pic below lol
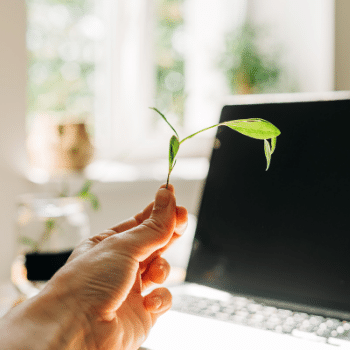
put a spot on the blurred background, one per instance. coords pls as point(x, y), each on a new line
point(77, 78)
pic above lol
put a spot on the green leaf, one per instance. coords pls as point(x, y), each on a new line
point(90, 197)
point(267, 153)
point(85, 194)
point(28, 241)
point(174, 145)
point(162, 115)
point(94, 201)
point(50, 224)
point(273, 144)
point(255, 128)
point(86, 187)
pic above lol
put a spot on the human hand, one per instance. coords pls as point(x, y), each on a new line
point(103, 279)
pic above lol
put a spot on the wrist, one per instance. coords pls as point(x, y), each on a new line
point(46, 321)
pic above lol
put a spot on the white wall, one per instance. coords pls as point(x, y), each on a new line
point(12, 122)
point(119, 201)
point(305, 30)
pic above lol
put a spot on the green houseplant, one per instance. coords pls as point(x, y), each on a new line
point(51, 224)
point(49, 228)
point(246, 67)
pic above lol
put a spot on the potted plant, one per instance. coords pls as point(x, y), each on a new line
point(49, 228)
point(246, 68)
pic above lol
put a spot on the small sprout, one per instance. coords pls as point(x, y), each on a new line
point(256, 128)
point(87, 195)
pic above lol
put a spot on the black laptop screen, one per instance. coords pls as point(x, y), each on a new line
point(282, 233)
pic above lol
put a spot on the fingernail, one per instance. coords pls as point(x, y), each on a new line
point(162, 198)
point(156, 302)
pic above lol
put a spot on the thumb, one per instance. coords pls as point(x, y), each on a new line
point(154, 233)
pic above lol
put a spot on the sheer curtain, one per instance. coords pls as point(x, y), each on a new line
point(207, 24)
point(123, 125)
point(125, 78)
point(126, 67)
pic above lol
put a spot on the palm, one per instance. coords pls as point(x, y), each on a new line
point(131, 318)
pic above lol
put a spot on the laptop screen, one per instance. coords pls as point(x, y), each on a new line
point(282, 233)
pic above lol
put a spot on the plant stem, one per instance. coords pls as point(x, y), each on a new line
point(65, 188)
point(188, 137)
point(50, 226)
point(167, 180)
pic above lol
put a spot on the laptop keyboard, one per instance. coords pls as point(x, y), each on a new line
point(247, 312)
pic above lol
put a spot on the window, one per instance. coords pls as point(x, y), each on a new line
point(108, 61)
point(62, 48)
point(107, 64)
point(163, 54)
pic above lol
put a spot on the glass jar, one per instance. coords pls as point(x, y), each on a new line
point(48, 229)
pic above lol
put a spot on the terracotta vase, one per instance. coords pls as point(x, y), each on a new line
point(75, 150)
point(53, 146)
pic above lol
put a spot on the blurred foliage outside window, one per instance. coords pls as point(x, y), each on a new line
point(66, 40)
point(170, 61)
point(61, 45)
point(247, 68)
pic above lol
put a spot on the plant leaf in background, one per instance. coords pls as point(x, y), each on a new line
point(28, 241)
point(90, 197)
point(49, 224)
point(86, 194)
point(247, 68)
point(86, 187)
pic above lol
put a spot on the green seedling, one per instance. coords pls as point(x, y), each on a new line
point(255, 127)
point(52, 224)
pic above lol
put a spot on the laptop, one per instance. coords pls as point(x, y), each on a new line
point(270, 261)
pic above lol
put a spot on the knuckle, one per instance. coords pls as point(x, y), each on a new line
point(157, 226)
point(100, 237)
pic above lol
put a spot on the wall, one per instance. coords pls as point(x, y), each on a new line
point(120, 201)
point(305, 31)
point(12, 122)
